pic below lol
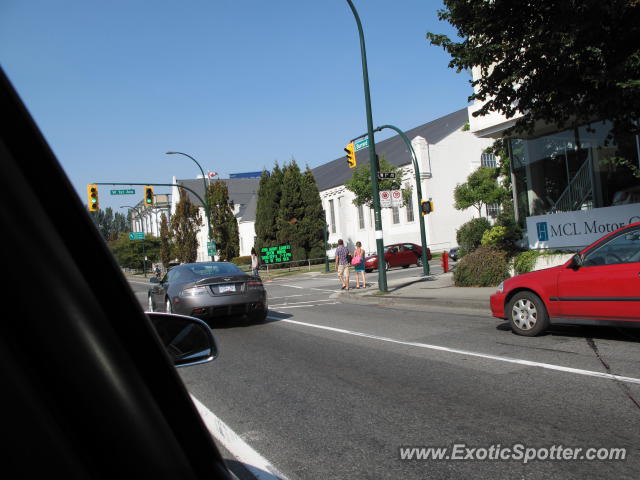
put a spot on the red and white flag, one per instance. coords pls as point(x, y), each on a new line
point(212, 174)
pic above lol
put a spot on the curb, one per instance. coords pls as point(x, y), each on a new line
point(393, 300)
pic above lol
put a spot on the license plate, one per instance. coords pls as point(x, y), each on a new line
point(226, 288)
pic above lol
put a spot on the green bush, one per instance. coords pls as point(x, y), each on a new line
point(525, 261)
point(494, 237)
point(241, 260)
point(469, 235)
point(484, 267)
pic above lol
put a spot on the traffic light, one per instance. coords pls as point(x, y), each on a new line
point(351, 154)
point(92, 198)
point(149, 199)
point(426, 207)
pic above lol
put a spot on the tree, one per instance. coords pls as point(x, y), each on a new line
point(131, 253)
point(109, 226)
point(184, 227)
point(269, 193)
point(360, 183)
point(562, 63)
point(291, 211)
point(481, 188)
point(224, 223)
point(313, 221)
point(166, 254)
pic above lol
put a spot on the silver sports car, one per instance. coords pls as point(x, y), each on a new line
point(209, 290)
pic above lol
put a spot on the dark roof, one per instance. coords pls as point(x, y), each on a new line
point(242, 191)
point(394, 149)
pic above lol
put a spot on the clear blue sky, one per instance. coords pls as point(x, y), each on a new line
point(236, 84)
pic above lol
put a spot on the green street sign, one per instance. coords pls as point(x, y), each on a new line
point(360, 144)
point(276, 254)
point(136, 235)
point(127, 191)
point(211, 248)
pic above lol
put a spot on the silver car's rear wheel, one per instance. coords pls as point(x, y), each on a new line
point(527, 314)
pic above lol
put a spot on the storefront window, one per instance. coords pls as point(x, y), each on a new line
point(575, 169)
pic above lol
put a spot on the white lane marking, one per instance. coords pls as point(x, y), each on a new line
point(298, 303)
point(291, 296)
point(468, 353)
point(307, 288)
point(259, 466)
point(280, 307)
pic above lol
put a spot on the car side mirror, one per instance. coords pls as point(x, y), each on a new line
point(154, 280)
point(187, 340)
point(577, 261)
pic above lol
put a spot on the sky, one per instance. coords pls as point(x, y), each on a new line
point(238, 85)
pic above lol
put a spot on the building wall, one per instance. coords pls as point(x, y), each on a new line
point(442, 165)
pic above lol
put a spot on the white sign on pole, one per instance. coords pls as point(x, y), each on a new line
point(385, 198)
point(396, 198)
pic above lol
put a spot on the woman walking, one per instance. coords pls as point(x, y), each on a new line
point(255, 266)
point(358, 263)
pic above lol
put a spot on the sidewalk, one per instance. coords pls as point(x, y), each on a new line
point(432, 290)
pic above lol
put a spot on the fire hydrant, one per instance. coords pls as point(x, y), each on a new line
point(445, 261)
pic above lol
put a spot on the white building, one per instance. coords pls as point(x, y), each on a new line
point(148, 219)
point(446, 153)
point(569, 185)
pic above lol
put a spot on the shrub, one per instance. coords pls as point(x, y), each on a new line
point(484, 267)
point(525, 261)
point(469, 235)
point(494, 237)
point(241, 260)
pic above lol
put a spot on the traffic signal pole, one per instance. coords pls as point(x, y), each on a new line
point(416, 170)
point(382, 274)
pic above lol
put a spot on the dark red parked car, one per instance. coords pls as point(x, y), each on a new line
point(398, 255)
point(598, 286)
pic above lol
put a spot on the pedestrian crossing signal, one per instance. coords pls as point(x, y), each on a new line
point(351, 154)
point(92, 198)
point(149, 199)
point(426, 207)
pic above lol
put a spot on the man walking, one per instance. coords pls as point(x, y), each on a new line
point(342, 264)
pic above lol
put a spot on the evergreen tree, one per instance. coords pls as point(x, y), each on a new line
point(313, 221)
point(224, 223)
point(291, 212)
point(165, 241)
point(184, 226)
point(269, 193)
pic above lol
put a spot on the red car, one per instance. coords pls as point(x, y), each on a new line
point(398, 255)
point(598, 286)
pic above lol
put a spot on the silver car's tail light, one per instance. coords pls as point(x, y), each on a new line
point(194, 291)
point(254, 285)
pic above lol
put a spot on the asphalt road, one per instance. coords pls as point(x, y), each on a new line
point(328, 389)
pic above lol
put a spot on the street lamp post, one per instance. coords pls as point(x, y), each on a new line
point(382, 274)
point(206, 194)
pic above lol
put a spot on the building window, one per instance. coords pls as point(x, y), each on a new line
point(493, 209)
point(410, 217)
point(332, 216)
point(396, 214)
point(360, 217)
point(488, 160)
point(570, 170)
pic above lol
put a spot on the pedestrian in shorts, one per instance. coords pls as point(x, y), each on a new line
point(342, 264)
